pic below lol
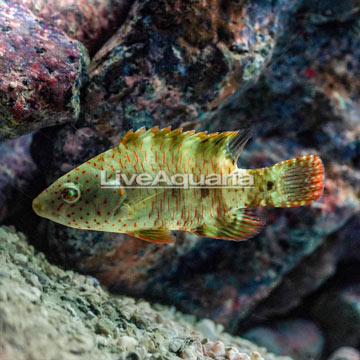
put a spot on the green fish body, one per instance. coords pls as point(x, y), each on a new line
point(83, 198)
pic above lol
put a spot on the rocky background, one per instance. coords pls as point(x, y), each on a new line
point(76, 75)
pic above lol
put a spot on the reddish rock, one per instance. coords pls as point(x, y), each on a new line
point(40, 72)
point(90, 21)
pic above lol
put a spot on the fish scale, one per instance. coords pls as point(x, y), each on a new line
point(77, 199)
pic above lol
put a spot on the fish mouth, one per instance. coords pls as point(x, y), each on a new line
point(37, 207)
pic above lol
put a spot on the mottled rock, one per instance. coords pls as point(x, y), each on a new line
point(90, 21)
point(311, 273)
point(74, 318)
point(40, 71)
point(300, 339)
point(345, 353)
point(338, 313)
point(18, 172)
point(172, 64)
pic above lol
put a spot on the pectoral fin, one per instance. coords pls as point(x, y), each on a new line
point(241, 224)
point(160, 236)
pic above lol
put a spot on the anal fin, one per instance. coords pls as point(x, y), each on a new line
point(160, 236)
point(240, 225)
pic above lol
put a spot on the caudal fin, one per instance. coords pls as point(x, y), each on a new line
point(298, 181)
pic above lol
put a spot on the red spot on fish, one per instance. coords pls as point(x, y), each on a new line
point(84, 172)
point(60, 206)
point(105, 202)
point(99, 213)
point(77, 178)
point(136, 155)
point(81, 218)
point(88, 190)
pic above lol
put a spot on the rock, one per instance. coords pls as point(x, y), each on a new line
point(338, 313)
point(326, 11)
point(18, 173)
point(345, 353)
point(311, 273)
point(65, 309)
point(90, 21)
point(41, 70)
point(300, 339)
point(172, 65)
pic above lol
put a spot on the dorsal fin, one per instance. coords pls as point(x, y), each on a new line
point(237, 143)
point(180, 150)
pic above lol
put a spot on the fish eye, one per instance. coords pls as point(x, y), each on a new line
point(70, 194)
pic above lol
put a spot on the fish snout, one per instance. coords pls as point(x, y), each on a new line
point(36, 205)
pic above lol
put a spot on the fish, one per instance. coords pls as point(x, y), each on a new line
point(97, 196)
